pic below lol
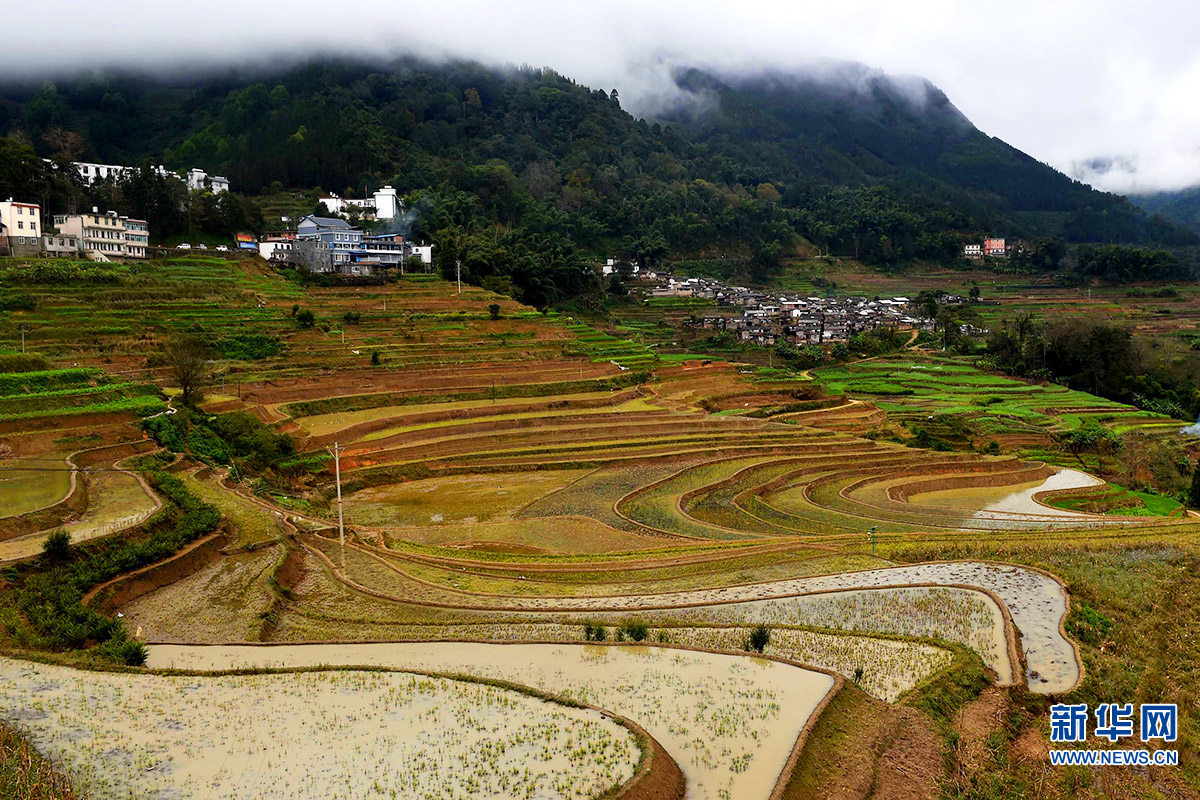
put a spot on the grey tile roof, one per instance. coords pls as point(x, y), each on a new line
point(328, 222)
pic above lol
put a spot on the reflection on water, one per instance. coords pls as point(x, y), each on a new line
point(1023, 502)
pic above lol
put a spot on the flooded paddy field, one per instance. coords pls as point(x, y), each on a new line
point(1037, 603)
point(311, 735)
point(955, 615)
point(730, 722)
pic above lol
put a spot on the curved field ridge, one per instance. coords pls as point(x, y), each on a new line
point(730, 722)
point(268, 735)
point(964, 616)
point(1036, 602)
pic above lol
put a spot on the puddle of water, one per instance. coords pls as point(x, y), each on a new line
point(1022, 502)
point(310, 735)
point(730, 722)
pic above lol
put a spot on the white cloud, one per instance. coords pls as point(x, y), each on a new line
point(1067, 81)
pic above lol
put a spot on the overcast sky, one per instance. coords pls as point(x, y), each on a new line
point(1064, 80)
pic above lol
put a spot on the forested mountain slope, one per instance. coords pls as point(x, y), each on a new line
point(1181, 207)
point(525, 174)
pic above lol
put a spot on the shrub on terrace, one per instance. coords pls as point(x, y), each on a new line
point(57, 545)
point(17, 302)
point(21, 362)
point(122, 650)
point(594, 632)
point(635, 631)
point(759, 638)
point(248, 346)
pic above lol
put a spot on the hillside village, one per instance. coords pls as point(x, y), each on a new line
point(329, 242)
point(762, 317)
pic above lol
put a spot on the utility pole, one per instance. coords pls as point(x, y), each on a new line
point(458, 274)
point(22, 338)
point(336, 452)
point(871, 536)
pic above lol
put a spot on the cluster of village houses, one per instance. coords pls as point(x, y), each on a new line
point(98, 235)
point(770, 317)
point(321, 244)
point(101, 236)
point(991, 248)
point(332, 245)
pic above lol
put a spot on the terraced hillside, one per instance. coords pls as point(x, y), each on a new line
point(510, 476)
point(953, 398)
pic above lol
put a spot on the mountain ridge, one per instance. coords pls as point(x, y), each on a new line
point(883, 169)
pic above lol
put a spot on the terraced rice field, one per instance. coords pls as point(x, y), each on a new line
point(29, 484)
point(117, 500)
point(453, 501)
point(528, 479)
point(967, 617)
point(935, 393)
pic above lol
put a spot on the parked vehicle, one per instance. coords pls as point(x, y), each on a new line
point(184, 246)
point(201, 246)
point(223, 248)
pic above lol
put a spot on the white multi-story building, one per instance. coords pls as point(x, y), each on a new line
point(137, 237)
point(275, 248)
point(98, 173)
point(92, 173)
point(199, 179)
point(109, 234)
point(382, 204)
point(24, 224)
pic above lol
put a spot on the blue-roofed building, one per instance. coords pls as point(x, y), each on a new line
point(344, 241)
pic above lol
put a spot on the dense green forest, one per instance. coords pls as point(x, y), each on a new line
point(1181, 207)
point(527, 176)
